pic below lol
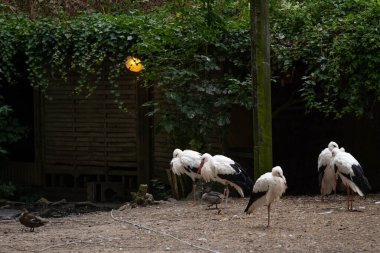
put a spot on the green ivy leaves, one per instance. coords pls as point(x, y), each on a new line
point(338, 45)
point(56, 49)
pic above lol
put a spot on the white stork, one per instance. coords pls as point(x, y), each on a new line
point(224, 170)
point(186, 162)
point(351, 174)
point(326, 173)
point(268, 188)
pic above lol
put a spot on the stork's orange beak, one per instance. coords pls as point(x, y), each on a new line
point(200, 167)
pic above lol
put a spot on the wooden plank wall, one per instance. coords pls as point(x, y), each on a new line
point(21, 173)
point(90, 136)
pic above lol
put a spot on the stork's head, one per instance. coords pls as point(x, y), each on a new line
point(332, 145)
point(277, 172)
point(204, 158)
point(176, 152)
point(335, 151)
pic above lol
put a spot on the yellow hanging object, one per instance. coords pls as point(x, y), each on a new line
point(133, 64)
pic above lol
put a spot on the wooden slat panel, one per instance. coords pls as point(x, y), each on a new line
point(90, 133)
point(126, 164)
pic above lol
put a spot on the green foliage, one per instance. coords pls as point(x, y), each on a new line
point(10, 129)
point(197, 57)
point(336, 46)
point(58, 49)
point(200, 66)
point(7, 190)
point(159, 190)
point(28, 194)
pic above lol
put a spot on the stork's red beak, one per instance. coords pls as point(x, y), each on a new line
point(200, 166)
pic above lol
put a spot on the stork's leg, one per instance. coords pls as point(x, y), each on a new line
point(227, 193)
point(351, 198)
point(194, 187)
point(334, 188)
point(268, 215)
point(348, 197)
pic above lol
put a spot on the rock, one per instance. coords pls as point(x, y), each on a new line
point(141, 197)
point(5, 207)
point(58, 203)
point(14, 203)
point(123, 207)
point(149, 198)
point(172, 200)
point(43, 201)
point(50, 213)
point(85, 204)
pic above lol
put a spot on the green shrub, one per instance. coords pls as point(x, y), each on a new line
point(7, 190)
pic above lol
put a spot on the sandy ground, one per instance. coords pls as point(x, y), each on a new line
point(299, 224)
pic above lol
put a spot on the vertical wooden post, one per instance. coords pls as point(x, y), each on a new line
point(262, 108)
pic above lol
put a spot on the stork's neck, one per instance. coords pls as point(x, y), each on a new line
point(210, 161)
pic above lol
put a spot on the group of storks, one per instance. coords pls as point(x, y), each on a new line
point(333, 163)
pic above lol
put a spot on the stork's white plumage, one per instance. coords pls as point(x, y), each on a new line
point(224, 170)
point(326, 173)
point(186, 162)
point(351, 174)
point(268, 188)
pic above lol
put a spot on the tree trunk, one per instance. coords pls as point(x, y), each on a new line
point(262, 109)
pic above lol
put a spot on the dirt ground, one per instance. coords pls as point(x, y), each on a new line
point(298, 224)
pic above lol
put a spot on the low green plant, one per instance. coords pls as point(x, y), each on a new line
point(7, 190)
point(159, 190)
point(11, 130)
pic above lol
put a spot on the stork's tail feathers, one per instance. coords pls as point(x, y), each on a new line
point(246, 185)
point(360, 180)
point(257, 199)
point(362, 184)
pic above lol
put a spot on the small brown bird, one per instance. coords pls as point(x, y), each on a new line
point(31, 221)
point(212, 197)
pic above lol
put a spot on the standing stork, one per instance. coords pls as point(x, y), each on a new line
point(268, 188)
point(326, 173)
point(226, 171)
point(351, 174)
point(186, 162)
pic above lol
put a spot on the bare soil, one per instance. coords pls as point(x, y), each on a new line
point(298, 224)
